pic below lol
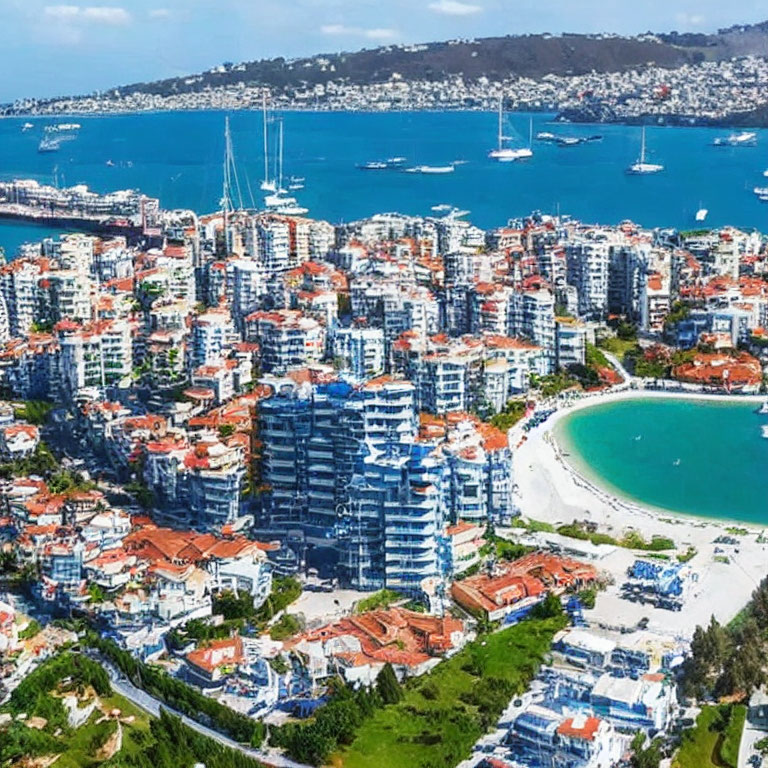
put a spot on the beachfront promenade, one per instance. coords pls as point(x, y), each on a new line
point(550, 489)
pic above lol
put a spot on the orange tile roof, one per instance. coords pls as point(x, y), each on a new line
point(217, 653)
point(530, 576)
point(395, 635)
point(583, 728)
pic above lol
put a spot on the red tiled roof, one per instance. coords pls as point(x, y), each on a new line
point(579, 728)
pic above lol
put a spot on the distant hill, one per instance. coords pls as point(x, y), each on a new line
point(494, 57)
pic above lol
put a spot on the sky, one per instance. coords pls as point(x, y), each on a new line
point(53, 48)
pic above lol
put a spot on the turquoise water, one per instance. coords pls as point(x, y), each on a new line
point(702, 458)
point(177, 156)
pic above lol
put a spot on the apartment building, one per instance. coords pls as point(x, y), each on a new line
point(286, 338)
point(360, 349)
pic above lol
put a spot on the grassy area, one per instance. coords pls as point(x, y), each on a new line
point(33, 411)
point(79, 747)
point(286, 626)
point(688, 555)
point(30, 630)
point(616, 346)
point(84, 743)
point(381, 599)
point(738, 620)
point(631, 540)
point(513, 411)
point(533, 526)
point(714, 741)
point(443, 713)
point(595, 357)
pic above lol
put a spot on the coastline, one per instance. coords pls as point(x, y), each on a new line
point(574, 483)
point(550, 489)
point(731, 122)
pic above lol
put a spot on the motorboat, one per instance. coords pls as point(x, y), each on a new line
point(743, 139)
point(390, 164)
point(431, 169)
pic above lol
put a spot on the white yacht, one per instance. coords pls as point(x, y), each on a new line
point(743, 139)
point(431, 169)
point(641, 166)
point(503, 154)
point(765, 431)
point(702, 214)
point(285, 205)
point(390, 164)
point(278, 200)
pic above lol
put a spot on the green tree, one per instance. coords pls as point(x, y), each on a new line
point(645, 757)
point(548, 608)
point(388, 686)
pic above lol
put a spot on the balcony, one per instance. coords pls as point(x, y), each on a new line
point(419, 533)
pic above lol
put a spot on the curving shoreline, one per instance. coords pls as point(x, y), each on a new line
point(571, 489)
point(550, 489)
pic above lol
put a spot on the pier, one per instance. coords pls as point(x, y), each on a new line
point(125, 212)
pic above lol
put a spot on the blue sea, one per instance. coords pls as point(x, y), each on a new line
point(704, 458)
point(178, 157)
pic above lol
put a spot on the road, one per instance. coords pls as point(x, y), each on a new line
point(152, 705)
point(618, 365)
point(749, 737)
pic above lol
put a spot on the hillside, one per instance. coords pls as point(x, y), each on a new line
point(496, 58)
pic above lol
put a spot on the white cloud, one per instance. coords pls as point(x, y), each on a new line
point(382, 33)
point(159, 13)
point(690, 19)
point(107, 15)
point(61, 12)
point(378, 33)
point(98, 14)
point(334, 29)
point(454, 8)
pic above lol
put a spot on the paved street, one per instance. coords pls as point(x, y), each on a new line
point(152, 705)
point(747, 746)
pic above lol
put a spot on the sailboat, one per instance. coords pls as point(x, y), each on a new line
point(504, 154)
point(267, 185)
point(279, 201)
point(641, 167)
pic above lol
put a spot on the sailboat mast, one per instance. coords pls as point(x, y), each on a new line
point(501, 119)
point(266, 140)
point(280, 172)
point(642, 146)
point(530, 133)
point(225, 189)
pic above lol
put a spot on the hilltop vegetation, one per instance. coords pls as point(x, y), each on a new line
point(432, 720)
point(115, 734)
point(528, 56)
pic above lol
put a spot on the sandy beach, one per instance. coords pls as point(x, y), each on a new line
point(549, 489)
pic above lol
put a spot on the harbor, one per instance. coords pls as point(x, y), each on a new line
point(76, 208)
point(181, 165)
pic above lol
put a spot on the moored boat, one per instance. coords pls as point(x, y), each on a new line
point(743, 139)
point(642, 167)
